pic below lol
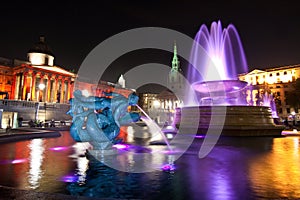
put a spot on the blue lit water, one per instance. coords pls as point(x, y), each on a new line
point(237, 168)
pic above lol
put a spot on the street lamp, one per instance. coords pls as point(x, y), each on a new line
point(41, 87)
point(169, 111)
point(294, 118)
point(156, 105)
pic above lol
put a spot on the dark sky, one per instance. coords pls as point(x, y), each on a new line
point(269, 30)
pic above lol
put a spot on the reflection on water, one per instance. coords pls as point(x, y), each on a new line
point(278, 170)
point(237, 168)
point(35, 162)
point(39, 167)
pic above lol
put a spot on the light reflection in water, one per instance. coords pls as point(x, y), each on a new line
point(278, 170)
point(36, 159)
point(221, 187)
point(82, 161)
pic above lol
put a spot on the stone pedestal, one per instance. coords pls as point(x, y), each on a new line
point(231, 120)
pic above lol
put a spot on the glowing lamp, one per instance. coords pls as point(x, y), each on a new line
point(42, 86)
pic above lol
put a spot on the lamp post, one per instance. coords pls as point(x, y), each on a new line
point(169, 112)
point(41, 88)
point(156, 105)
point(294, 118)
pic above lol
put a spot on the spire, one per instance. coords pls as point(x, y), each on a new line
point(175, 61)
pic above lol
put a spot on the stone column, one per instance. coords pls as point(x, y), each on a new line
point(23, 97)
point(55, 89)
point(69, 89)
point(42, 82)
point(48, 94)
point(33, 82)
point(13, 95)
point(62, 96)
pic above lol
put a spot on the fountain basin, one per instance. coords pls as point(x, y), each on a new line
point(231, 120)
point(219, 86)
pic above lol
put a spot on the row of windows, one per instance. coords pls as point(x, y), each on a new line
point(277, 74)
point(278, 86)
point(270, 75)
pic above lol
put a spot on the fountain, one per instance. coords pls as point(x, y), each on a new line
point(221, 96)
point(97, 120)
point(268, 100)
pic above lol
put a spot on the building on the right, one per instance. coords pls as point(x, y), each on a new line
point(278, 81)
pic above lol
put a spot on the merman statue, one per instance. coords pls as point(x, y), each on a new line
point(97, 120)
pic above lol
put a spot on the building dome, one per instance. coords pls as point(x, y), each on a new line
point(40, 53)
point(41, 47)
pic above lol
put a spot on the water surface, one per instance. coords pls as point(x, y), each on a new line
point(237, 168)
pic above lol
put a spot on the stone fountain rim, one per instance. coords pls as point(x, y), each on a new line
point(213, 82)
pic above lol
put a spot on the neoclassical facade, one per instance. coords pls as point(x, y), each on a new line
point(278, 81)
point(37, 79)
point(42, 83)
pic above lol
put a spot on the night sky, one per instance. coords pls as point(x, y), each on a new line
point(269, 30)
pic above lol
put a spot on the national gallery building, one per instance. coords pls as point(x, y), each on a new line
point(37, 89)
point(37, 79)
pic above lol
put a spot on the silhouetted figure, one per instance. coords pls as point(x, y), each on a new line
point(31, 123)
point(20, 121)
point(286, 123)
point(52, 123)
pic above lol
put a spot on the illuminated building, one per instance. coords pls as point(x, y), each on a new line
point(278, 81)
point(37, 89)
point(161, 107)
point(37, 79)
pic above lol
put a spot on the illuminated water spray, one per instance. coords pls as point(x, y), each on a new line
point(217, 73)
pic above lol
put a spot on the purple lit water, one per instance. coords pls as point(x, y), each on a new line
point(224, 49)
point(217, 55)
point(268, 100)
point(237, 168)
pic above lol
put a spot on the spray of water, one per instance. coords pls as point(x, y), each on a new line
point(153, 127)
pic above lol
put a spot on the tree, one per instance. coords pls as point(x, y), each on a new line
point(293, 97)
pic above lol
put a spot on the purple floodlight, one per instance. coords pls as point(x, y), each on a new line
point(69, 179)
point(121, 146)
point(18, 161)
point(58, 148)
point(168, 167)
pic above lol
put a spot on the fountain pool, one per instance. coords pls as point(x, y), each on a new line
point(221, 107)
point(237, 168)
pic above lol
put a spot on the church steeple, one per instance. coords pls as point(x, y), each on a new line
point(175, 61)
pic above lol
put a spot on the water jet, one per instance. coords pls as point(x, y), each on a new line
point(221, 96)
